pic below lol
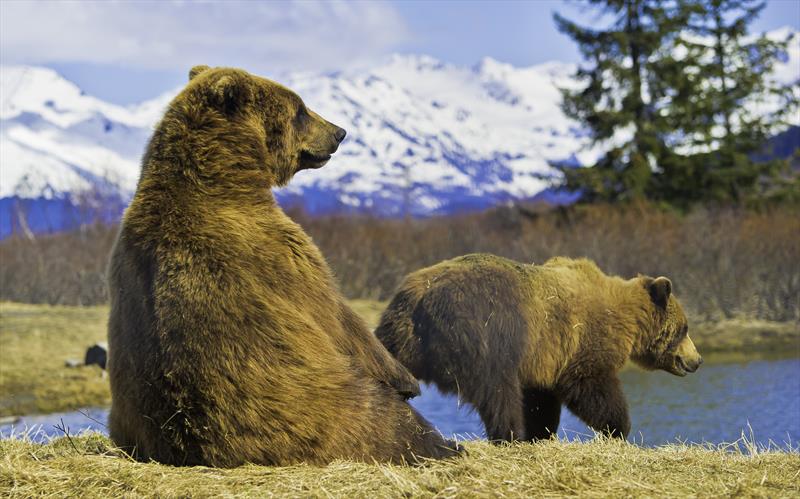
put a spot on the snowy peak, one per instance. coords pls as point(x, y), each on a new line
point(423, 133)
point(56, 141)
point(42, 91)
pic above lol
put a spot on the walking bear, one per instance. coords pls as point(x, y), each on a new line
point(517, 341)
point(229, 341)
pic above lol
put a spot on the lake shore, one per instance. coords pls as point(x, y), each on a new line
point(89, 466)
point(36, 340)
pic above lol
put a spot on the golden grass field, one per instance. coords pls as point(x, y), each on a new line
point(89, 466)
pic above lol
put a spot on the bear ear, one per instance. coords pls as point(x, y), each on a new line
point(197, 70)
point(660, 288)
point(230, 92)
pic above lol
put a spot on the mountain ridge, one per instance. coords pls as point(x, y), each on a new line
point(425, 137)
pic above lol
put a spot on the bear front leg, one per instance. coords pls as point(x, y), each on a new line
point(599, 402)
point(542, 411)
point(369, 352)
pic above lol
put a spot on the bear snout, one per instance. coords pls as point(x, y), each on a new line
point(687, 358)
point(339, 134)
point(692, 365)
point(682, 366)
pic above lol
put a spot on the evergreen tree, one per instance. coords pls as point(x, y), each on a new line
point(616, 102)
point(682, 95)
point(720, 106)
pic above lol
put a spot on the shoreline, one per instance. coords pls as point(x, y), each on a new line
point(37, 340)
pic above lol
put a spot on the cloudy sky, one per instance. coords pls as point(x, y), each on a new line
point(128, 51)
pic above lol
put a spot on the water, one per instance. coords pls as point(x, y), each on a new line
point(42, 427)
point(716, 404)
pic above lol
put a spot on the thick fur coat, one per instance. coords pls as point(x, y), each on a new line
point(518, 341)
point(229, 341)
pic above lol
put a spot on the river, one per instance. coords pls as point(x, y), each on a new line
point(725, 398)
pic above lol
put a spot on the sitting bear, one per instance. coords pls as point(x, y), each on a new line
point(229, 341)
point(517, 341)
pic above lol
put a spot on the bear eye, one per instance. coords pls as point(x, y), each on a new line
point(300, 117)
point(682, 332)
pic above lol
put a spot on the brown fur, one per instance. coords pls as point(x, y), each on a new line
point(516, 341)
point(229, 340)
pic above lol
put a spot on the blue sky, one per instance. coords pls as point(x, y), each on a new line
point(126, 51)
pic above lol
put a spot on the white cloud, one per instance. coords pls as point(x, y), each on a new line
point(260, 36)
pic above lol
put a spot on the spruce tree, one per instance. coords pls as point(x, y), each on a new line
point(615, 101)
point(720, 106)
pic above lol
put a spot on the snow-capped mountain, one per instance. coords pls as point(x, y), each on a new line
point(427, 137)
point(424, 137)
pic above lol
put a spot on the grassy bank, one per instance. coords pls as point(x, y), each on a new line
point(743, 336)
point(89, 466)
point(35, 340)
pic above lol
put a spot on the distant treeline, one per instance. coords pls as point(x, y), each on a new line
point(724, 262)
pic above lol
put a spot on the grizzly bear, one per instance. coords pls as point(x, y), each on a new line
point(229, 341)
point(517, 341)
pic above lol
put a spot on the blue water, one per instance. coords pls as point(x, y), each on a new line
point(716, 404)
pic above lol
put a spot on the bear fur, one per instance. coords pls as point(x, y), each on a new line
point(229, 341)
point(518, 341)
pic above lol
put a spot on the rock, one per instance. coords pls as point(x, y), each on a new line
point(96, 355)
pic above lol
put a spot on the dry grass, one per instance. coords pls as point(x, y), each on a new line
point(35, 340)
point(370, 310)
point(89, 466)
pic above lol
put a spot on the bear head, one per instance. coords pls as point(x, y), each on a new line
point(231, 101)
point(666, 345)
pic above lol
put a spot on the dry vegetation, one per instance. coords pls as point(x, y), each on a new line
point(735, 271)
point(89, 466)
point(725, 263)
point(64, 269)
point(747, 337)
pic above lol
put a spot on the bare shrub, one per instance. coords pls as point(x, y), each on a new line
point(61, 269)
point(724, 262)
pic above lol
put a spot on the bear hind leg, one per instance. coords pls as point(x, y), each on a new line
point(542, 411)
point(501, 413)
point(407, 437)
